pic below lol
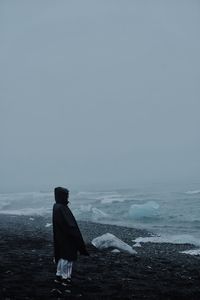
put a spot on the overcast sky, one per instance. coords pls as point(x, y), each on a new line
point(99, 93)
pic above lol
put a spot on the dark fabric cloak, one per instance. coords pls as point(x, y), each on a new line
point(68, 240)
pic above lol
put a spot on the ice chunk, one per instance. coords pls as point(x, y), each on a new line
point(109, 240)
point(115, 251)
point(137, 245)
point(192, 252)
point(48, 225)
point(146, 210)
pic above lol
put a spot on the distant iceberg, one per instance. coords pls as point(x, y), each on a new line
point(146, 210)
point(109, 240)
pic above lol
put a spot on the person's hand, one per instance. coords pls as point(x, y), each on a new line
point(54, 260)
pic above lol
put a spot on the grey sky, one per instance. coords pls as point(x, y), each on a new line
point(99, 93)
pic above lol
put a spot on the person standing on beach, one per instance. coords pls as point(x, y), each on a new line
point(67, 237)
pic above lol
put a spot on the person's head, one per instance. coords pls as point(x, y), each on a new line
point(61, 195)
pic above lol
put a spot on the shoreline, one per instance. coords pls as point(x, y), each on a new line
point(157, 271)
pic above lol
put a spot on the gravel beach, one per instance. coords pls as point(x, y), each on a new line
point(157, 271)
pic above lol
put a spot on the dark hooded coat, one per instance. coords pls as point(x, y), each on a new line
point(67, 236)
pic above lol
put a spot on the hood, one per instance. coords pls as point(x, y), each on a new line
point(61, 195)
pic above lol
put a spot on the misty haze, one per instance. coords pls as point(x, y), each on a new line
point(100, 99)
point(99, 94)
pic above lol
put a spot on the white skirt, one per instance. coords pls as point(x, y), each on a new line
point(64, 268)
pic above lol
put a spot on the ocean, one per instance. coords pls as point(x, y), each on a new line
point(172, 211)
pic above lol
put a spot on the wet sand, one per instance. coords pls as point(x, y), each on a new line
point(157, 271)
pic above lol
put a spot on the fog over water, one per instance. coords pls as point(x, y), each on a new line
point(99, 93)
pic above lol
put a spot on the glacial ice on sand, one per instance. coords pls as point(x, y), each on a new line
point(137, 245)
point(115, 251)
point(109, 240)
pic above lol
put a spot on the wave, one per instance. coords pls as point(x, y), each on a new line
point(23, 203)
point(174, 239)
point(194, 192)
point(90, 213)
point(27, 211)
point(4, 204)
point(158, 213)
point(192, 252)
point(112, 198)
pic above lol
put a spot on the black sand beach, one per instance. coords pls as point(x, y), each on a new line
point(157, 271)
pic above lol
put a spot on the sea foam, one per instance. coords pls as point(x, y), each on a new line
point(88, 212)
point(27, 211)
point(191, 252)
point(193, 192)
point(175, 239)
